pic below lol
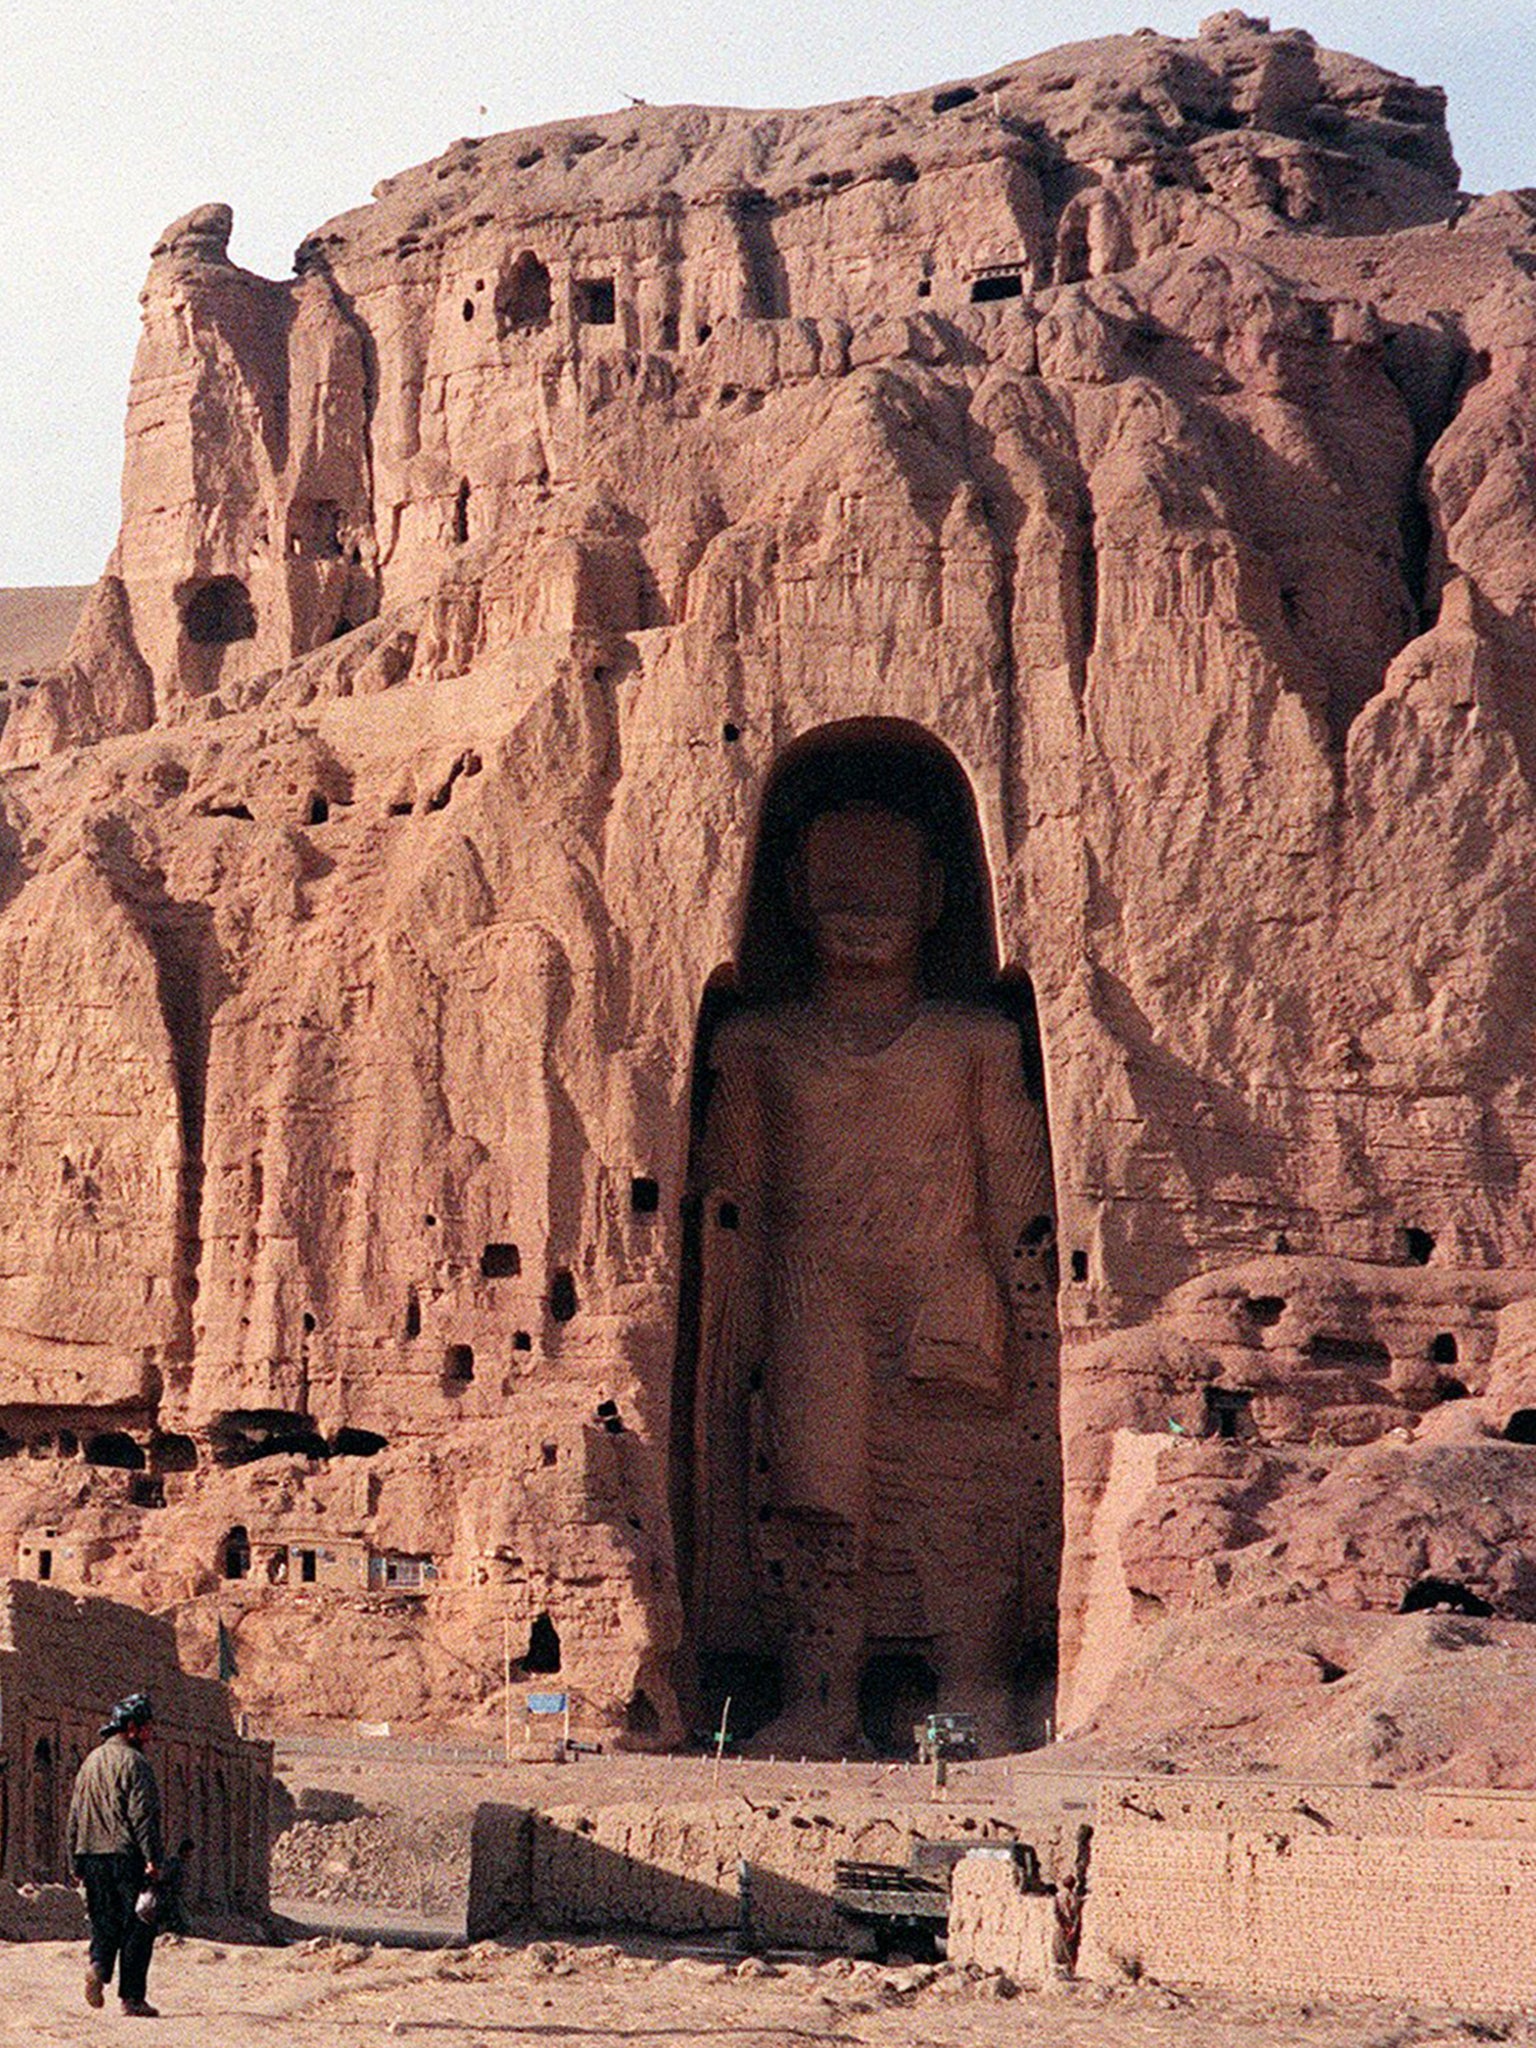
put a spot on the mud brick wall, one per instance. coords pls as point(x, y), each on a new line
point(1316, 1890)
point(996, 1924)
point(675, 1869)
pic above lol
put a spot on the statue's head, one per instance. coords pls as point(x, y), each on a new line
point(867, 889)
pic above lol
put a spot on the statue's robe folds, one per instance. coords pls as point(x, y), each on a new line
point(864, 1210)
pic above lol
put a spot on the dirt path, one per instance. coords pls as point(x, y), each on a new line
point(326, 1994)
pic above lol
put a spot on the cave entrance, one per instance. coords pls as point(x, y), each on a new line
point(896, 1689)
point(866, 1437)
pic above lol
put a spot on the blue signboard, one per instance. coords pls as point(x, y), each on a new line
point(548, 1702)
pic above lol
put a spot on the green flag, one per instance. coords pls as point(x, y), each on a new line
point(228, 1668)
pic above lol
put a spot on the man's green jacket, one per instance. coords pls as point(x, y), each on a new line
point(115, 1806)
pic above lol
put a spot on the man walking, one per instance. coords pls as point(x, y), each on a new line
point(115, 1848)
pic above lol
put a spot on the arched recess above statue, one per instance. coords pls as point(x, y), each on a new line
point(905, 769)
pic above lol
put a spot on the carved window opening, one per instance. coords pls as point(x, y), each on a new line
point(237, 1553)
point(594, 301)
point(459, 1365)
point(115, 1449)
point(522, 1340)
point(1417, 1246)
point(1229, 1413)
point(1265, 1310)
point(608, 1415)
point(1521, 1427)
point(543, 1652)
point(1444, 1350)
point(45, 1564)
point(523, 297)
point(549, 1455)
point(500, 1262)
point(412, 1314)
point(461, 514)
point(562, 1295)
point(1000, 283)
point(1079, 1267)
point(308, 1571)
point(147, 1490)
point(218, 613)
point(644, 1195)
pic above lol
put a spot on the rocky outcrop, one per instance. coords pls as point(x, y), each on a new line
point(1133, 435)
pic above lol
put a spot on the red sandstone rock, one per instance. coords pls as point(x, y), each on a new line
point(1136, 434)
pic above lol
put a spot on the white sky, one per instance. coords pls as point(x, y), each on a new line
point(123, 114)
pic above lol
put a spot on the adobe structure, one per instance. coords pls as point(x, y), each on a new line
point(1113, 470)
point(63, 1662)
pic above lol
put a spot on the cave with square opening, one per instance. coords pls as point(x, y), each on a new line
point(797, 1493)
point(1229, 1413)
point(993, 285)
point(459, 1364)
point(113, 1447)
point(500, 1262)
point(562, 1295)
point(595, 301)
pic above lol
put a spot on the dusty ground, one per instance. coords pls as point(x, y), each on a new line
point(323, 1994)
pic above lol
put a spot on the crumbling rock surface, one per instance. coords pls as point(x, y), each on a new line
point(1136, 436)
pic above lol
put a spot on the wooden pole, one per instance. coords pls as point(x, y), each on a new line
point(725, 1715)
point(506, 1682)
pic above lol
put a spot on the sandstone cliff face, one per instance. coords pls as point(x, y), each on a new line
point(1144, 425)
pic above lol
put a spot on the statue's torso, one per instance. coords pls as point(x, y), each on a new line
point(869, 1153)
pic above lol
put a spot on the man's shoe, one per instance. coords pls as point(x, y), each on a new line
point(140, 2009)
point(94, 1995)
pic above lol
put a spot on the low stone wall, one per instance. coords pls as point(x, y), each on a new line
point(998, 1925)
point(1308, 1890)
point(675, 1869)
point(41, 1912)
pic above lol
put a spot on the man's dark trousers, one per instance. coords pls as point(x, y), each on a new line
point(118, 1935)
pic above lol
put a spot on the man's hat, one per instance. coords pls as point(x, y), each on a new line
point(133, 1712)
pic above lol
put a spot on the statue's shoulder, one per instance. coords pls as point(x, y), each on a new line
point(747, 1034)
point(982, 1029)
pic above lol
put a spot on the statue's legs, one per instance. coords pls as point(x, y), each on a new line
point(811, 1482)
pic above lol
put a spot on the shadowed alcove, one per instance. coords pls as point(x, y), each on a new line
point(990, 1504)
